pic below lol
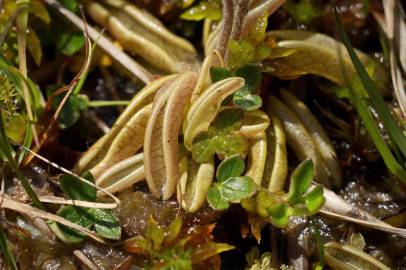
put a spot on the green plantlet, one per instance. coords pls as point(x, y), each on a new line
point(104, 221)
point(279, 207)
point(250, 48)
point(172, 247)
point(231, 186)
point(245, 98)
point(222, 138)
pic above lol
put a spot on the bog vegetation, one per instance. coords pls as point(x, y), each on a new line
point(193, 134)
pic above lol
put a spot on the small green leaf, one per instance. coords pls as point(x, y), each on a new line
point(228, 144)
point(230, 167)
point(75, 189)
point(252, 76)
point(314, 200)
point(203, 150)
point(205, 10)
point(173, 230)
point(226, 120)
point(300, 181)
point(76, 215)
point(215, 199)
point(280, 214)
point(155, 234)
point(235, 189)
point(69, 43)
point(219, 73)
point(247, 102)
point(105, 223)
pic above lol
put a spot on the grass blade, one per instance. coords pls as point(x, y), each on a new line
point(6, 149)
point(369, 122)
point(388, 120)
point(6, 251)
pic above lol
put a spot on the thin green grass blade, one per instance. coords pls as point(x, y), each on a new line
point(6, 149)
point(388, 120)
point(370, 124)
point(6, 251)
point(27, 144)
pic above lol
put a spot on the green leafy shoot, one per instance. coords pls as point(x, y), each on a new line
point(250, 48)
point(300, 181)
point(278, 207)
point(231, 186)
point(319, 243)
point(104, 221)
point(222, 138)
point(6, 251)
point(204, 10)
point(245, 98)
point(391, 127)
point(7, 151)
point(174, 248)
point(374, 94)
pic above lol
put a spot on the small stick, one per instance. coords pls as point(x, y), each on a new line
point(121, 57)
point(85, 260)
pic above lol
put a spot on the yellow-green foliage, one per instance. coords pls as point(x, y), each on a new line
point(8, 100)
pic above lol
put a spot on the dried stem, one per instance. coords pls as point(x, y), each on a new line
point(226, 26)
point(22, 20)
point(121, 57)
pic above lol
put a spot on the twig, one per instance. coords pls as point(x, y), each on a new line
point(85, 260)
point(337, 207)
point(116, 200)
point(24, 208)
point(22, 20)
point(226, 26)
point(240, 12)
point(121, 57)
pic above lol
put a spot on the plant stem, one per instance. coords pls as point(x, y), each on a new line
point(381, 107)
point(6, 251)
point(22, 21)
point(105, 103)
point(370, 124)
point(5, 147)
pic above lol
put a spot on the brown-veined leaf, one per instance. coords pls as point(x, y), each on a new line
point(206, 107)
point(346, 257)
point(122, 174)
point(98, 150)
point(127, 142)
point(161, 136)
point(257, 158)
